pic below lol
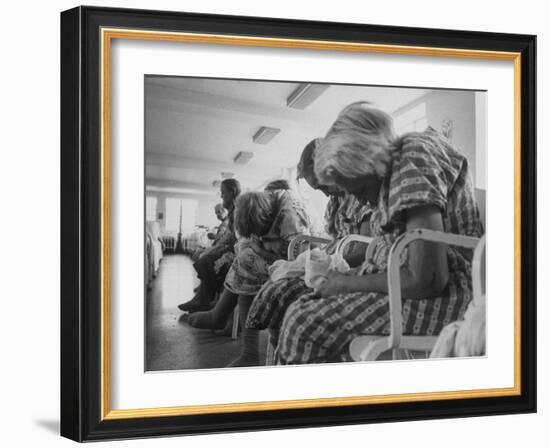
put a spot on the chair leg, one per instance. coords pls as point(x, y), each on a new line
point(272, 339)
point(269, 353)
point(368, 348)
point(235, 328)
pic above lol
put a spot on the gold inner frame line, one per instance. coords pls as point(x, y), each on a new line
point(107, 35)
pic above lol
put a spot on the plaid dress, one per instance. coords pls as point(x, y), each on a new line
point(249, 269)
point(426, 170)
point(344, 215)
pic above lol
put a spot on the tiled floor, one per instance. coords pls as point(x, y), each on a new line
point(171, 344)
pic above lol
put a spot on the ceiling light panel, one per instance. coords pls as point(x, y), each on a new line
point(305, 94)
point(243, 157)
point(264, 135)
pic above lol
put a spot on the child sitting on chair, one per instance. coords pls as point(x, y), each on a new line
point(265, 223)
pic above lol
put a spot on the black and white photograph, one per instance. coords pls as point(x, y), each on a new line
point(274, 223)
point(291, 223)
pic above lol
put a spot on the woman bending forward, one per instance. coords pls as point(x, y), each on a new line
point(417, 181)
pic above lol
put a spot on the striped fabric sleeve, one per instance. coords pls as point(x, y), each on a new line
point(363, 214)
point(329, 217)
point(418, 179)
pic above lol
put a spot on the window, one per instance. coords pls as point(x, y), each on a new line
point(150, 208)
point(184, 210)
point(414, 119)
point(314, 200)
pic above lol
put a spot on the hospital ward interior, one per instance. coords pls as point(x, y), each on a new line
point(308, 223)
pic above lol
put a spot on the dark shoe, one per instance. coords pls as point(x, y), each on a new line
point(192, 306)
point(187, 306)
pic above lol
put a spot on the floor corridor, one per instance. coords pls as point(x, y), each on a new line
point(171, 344)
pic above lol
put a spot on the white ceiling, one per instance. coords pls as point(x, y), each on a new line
point(194, 127)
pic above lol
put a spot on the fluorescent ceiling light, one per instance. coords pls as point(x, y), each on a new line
point(243, 157)
point(305, 94)
point(264, 135)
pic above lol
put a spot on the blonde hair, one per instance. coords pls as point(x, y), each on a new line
point(253, 214)
point(357, 144)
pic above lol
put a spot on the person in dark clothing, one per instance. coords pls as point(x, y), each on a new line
point(208, 267)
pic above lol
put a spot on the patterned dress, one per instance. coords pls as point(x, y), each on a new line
point(301, 210)
point(249, 269)
point(426, 171)
point(222, 250)
point(344, 216)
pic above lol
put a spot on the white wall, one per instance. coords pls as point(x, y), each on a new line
point(481, 143)
point(30, 173)
point(460, 108)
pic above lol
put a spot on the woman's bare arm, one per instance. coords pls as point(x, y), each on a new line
point(425, 274)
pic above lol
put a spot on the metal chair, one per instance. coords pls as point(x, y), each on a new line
point(296, 246)
point(235, 325)
point(347, 240)
point(297, 243)
point(369, 347)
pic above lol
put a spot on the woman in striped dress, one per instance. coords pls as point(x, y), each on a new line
point(416, 181)
point(344, 215)
point(264, 223)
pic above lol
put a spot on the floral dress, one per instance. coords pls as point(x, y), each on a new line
point(249, 270)
point(426, 171)
point(344, 216)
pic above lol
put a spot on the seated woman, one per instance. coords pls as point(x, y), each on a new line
point(265, 223)
point(344, 216)
point(215, 237)
point(213, 265)
point(417, 181)
point(297, 203)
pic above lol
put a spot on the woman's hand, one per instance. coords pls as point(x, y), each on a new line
point(265, 253)
point(336, 283)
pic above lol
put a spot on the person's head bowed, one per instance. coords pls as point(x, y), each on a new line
point(356, 148)
point(230, 189)
point(279, 184)
point(253, 214)
point(306, 167)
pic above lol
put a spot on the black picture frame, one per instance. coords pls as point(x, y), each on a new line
point(81, 286)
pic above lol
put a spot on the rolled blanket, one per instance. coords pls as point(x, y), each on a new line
point(465, 337)
point(312, 265)
point(288, 269)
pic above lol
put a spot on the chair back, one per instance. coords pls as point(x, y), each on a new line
point(480, 195)
point(478, 270)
